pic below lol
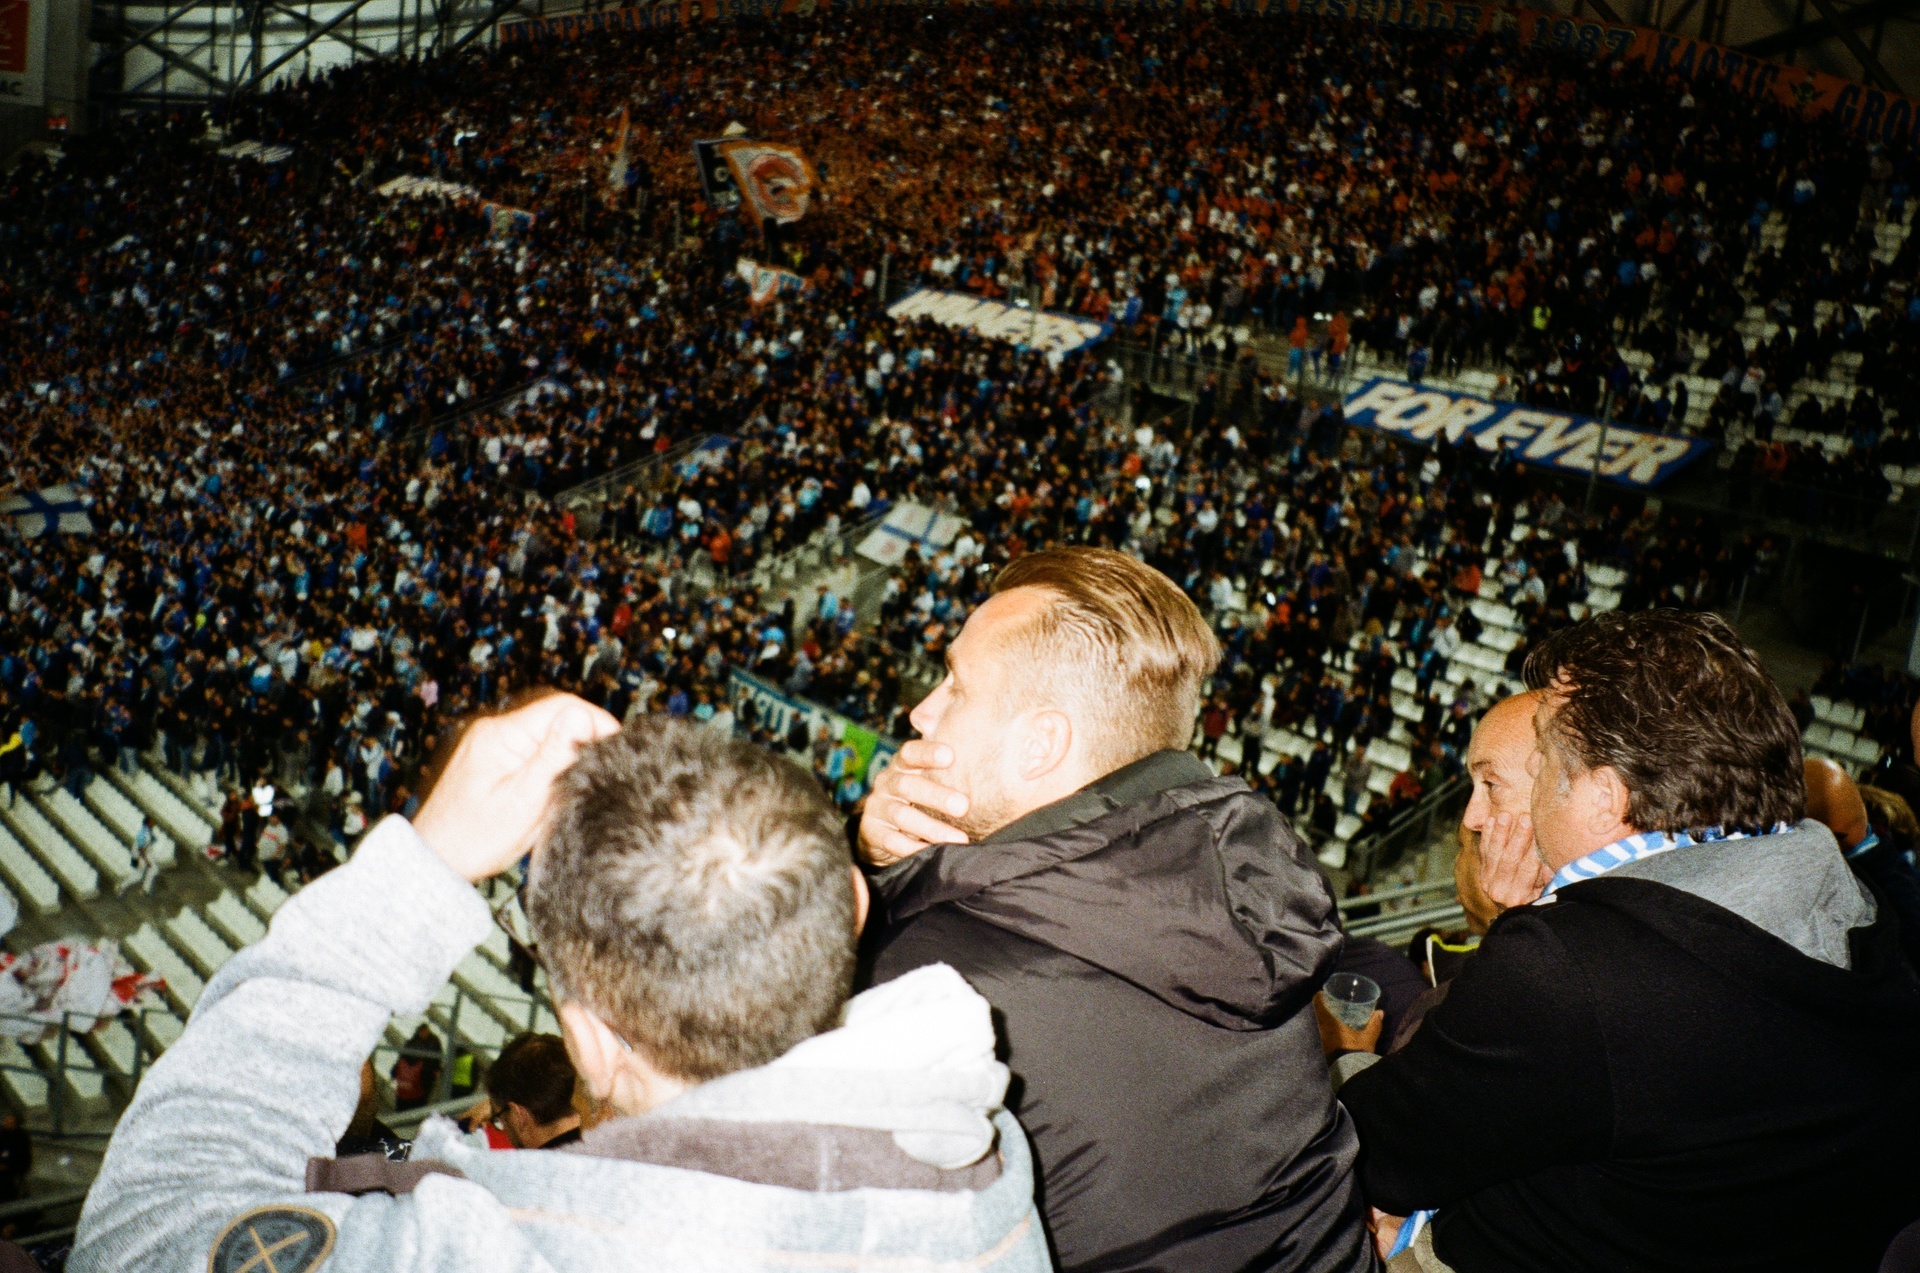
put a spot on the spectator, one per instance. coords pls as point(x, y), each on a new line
point(530, 1093)
point(1177, 1037)
point(365, 1133)
point(1877, 833)
point(145, 869)
point(416, 1071)
point(1497, 868)
point(16, 1158)
point(1587, 1096)
point(694, 904)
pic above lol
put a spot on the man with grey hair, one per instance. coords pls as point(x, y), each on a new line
point(695, 907)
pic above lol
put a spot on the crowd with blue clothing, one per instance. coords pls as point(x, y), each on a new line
point(292, 566)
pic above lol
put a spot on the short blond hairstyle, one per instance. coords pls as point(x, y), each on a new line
point(1119, 647)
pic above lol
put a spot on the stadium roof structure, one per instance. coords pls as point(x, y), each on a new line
point(1874, 41)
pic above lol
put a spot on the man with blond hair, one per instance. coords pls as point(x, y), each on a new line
point(1149, 934)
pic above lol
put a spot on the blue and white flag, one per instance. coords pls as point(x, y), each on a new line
point(57, 509)
point(907, 526)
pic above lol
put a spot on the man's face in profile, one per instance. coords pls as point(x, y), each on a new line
point(973, 712)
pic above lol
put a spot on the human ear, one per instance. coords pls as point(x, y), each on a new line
point(1611, 804)
point(593, 1047)
point(862, 901)
point(1045, 743)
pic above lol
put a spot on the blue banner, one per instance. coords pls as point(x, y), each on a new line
point(1560, 440)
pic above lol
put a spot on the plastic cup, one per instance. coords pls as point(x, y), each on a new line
point(1352, 998)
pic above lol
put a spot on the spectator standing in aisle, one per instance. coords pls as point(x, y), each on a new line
point(145, 869)
point(416, 1070)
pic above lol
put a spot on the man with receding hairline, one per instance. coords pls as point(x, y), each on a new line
point(1147, 933)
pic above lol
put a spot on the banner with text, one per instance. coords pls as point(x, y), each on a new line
point(1570, 443)
point(23, 52)
point(1035, 329)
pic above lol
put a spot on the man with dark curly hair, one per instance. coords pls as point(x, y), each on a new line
point(1695, 1048)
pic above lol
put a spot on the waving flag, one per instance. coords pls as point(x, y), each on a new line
point(775, 181)
point(617, 177)
point(45, 512)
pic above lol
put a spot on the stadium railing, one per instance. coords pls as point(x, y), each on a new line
point(1416, 828)
point(650, 473)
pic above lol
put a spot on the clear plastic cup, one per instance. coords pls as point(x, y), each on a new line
point(1352, 998)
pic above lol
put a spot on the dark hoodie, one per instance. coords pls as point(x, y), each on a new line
point(1148, 945)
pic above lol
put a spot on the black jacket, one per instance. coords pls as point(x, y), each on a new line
point(1634, 1078)
point(1148, 945)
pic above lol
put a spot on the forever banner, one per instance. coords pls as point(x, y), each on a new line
point(1867, 113)
point(1571, 443)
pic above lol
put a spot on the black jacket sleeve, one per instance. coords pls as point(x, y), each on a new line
point(1506, 1077)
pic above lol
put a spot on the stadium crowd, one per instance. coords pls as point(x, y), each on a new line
point(315, 430)
point(302, 394)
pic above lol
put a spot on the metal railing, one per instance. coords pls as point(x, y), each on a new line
point(1412, 830)
point(1395, 914)
point(649, 472)
point(63, 1057)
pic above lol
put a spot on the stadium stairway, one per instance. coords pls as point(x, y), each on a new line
point(1834, 383)
point(1834, 732)
point(64, 859)
point(1483, 660)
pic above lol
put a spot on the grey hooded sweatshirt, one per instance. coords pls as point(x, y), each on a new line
point(879, 1145)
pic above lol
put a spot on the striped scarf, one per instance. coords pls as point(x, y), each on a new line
point(1635, 848)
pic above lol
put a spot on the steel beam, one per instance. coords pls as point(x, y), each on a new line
point(310, 22)
point(307, 41)
point(1679, 15)
point(179, 61)
point(1862, 54)
point(497, 10)
point(1800, 36)
point(129, 43)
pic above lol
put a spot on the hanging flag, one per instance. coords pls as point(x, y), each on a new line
point(57, 509)
point(716, 179)
point(776, 182)
point(617, 178)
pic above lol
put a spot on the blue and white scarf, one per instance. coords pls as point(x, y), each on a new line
point(1634, 848)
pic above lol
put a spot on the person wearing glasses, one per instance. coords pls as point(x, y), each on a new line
point(694, 906)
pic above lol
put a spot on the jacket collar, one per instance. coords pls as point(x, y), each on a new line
point(1130, 784)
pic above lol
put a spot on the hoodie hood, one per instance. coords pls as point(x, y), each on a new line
point(1199, 892)
point(914, 1057)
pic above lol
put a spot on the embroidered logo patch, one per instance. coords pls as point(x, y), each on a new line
point(273, 1240)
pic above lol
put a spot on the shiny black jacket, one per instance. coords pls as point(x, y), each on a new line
point(1150, 946)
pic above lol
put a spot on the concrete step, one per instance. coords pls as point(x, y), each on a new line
point(77, 877)
point(29, 881)
point(76, 823)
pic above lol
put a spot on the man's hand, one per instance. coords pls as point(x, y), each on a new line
point(1336, 1036)
point(485, 811)
point(1386, 1230)
point(1511, 872)
point(899, 819)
